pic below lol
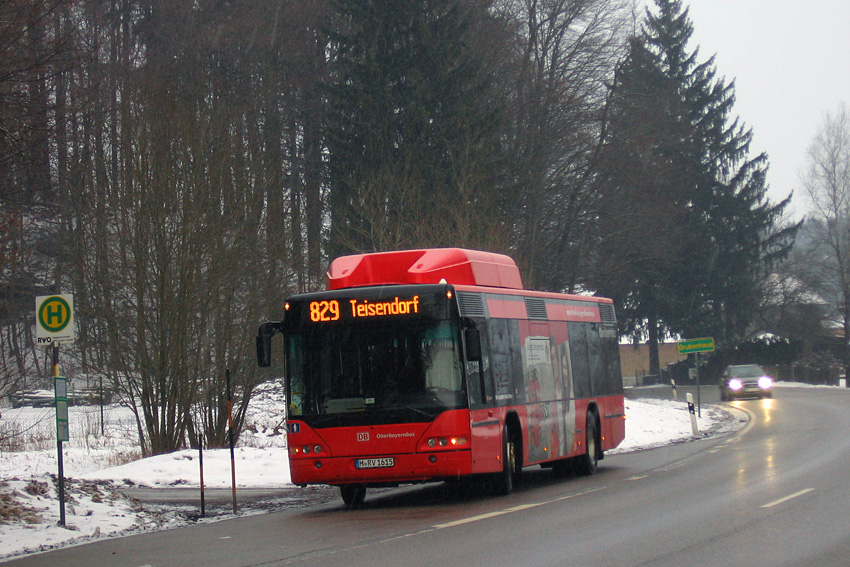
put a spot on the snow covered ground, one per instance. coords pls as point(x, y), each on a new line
point(96, 507)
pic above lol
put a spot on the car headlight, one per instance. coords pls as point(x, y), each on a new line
point(765, 382)
point(735, 384)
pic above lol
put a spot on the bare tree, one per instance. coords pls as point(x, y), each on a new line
point(826, 181)
point(566, 53)
point(35, 48)
point(795, 306)
point(186, 192)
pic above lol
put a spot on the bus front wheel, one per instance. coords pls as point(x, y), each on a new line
point(505, 480)
point(353, 495)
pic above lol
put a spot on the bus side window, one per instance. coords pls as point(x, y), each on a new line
point(478, 378)
point(613, 379)
point(296, 367)
point(473, 379)
point(594, 356)
point(506, 361)
point(579, 357)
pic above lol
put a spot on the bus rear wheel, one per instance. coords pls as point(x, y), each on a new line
point(353, 495)
point(589, 462)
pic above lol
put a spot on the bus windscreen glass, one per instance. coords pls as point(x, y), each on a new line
point(374, 373)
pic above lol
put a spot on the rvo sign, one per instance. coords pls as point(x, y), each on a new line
point(363, 436)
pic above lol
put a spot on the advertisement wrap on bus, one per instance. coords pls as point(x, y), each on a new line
point(434, 365)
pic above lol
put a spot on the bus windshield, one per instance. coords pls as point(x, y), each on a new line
point(395, 372)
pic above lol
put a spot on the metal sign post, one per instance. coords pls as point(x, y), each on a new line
point(60, 387)
point(230, 441)
point(54, 322)
point(696, 346)
point(699, 390)
point(201, 465)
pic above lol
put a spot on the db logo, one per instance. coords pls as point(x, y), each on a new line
point(363, 436)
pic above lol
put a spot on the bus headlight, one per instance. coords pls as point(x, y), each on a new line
point(447, 442)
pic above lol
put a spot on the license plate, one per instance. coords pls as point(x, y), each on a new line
point(382, 463)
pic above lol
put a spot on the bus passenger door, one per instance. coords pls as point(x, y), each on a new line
point(485, 421)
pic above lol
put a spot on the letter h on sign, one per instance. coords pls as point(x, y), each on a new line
point(53, 315)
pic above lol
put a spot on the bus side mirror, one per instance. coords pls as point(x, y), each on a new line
point(472, 338)
point(264, 343)
point(264, 350)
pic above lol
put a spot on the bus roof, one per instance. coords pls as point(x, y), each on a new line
point(456, 266)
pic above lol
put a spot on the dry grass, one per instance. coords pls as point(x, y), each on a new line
point(12, 511)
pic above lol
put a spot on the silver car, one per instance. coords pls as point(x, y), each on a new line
point(745, 381)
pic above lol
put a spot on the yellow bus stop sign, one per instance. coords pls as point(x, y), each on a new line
point(54, 319)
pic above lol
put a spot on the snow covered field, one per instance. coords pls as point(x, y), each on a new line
point(29, 508)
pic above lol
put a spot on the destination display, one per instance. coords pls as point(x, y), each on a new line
point(357, 309)
point(386, 308)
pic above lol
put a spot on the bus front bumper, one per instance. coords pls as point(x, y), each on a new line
point(418, 467)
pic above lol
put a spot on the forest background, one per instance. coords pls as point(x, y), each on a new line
point(181, 167)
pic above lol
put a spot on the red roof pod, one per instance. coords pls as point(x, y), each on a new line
point(455, 265)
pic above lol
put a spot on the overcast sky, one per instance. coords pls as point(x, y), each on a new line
point(790, 61)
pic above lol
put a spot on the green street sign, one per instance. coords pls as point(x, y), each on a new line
point(705, 344)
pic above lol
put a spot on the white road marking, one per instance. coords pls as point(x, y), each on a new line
point(787, 498)
point(488, 515)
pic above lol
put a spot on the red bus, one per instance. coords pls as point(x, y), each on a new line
point(429, 365)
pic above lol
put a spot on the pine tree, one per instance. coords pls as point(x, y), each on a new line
point(738, 237)
point(413, 123)
point(674, 114)
point(643, 204)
